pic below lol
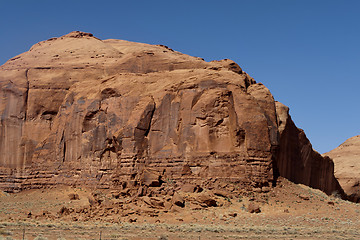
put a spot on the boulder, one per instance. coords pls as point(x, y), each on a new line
point(74, 196)
point(206, 200)
point(233, 214)
point(221, 193)
point(153, 202)
point(64, 211)
point(150, 179)
point(304, 197)
point(190, 188)
point(253, 208)
point(178, 200)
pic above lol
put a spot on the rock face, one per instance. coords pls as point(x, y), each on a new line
point(347, 166)
point(298, 162)
point(115, 114)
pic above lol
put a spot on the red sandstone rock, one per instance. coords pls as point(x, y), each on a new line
point(154, 202)
point(347, 166)
point(64, 211)
point(297, 161)
point(178, 200)
point(150, 179)
point(253, 208)
point(304, 197)
point(113, 114)
point(232, 214)
point(74, 196)
point(221, 193)
point(206, 200)
point(80, 110)
point(190, 188)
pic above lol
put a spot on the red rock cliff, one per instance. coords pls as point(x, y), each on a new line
point(78, 110)
point(297, 161)
point(347, 166)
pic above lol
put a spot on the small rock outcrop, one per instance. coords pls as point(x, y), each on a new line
point(127, 116)
point(347, 166)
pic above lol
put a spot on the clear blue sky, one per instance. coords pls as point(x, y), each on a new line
point(307, 52)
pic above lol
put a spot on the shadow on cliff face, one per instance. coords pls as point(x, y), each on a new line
point(297, 161)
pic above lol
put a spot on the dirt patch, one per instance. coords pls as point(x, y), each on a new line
point(287, 211)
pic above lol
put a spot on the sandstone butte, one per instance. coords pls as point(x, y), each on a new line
point(119, 115)
point(347, 166)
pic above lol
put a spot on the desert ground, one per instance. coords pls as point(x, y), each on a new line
point(288, 211)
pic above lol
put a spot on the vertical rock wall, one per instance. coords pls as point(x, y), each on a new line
point(298, 162)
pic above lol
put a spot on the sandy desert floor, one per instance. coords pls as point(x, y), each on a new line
point(288, 211)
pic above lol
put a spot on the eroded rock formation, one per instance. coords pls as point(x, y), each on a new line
point(347, 166)
point(112, 114)
point(298, 162)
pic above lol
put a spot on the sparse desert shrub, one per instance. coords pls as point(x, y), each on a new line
point(40, 237)
point(243, 208)
point(336, 194)
point(6, 238)
point(4, 232)
point(162, 237)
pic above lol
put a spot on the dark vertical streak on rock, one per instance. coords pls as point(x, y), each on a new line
point(63, 143)
point(26, 94)
point(151, 117)
point(143, 128)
